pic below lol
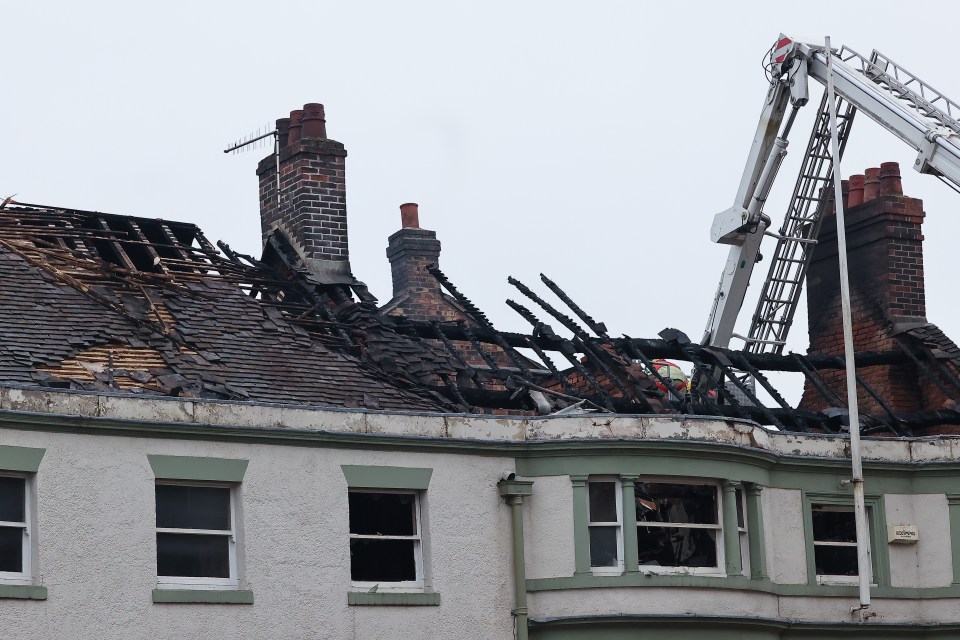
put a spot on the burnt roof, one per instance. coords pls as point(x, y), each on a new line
point(135, 305)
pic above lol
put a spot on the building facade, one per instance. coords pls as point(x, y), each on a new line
point(739, 551)
point(199, 443)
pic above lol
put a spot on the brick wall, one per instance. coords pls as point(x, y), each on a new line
point(885, 255)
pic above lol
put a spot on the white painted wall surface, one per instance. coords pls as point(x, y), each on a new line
point(97, 546)
point(783, 535)
point(548, 528)
point(928, 562)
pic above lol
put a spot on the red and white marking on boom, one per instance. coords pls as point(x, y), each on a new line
point(781, 49)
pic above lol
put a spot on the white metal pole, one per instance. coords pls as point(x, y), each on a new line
point(860, 513)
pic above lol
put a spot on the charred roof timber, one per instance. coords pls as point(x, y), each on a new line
point(149, 273)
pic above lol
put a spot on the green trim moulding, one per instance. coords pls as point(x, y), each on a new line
point(192, 468)
point(23, 592)
point(202, 596)
point(365, 598)
point(23, 459)
point(371, 477)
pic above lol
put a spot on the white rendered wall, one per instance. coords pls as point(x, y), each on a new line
point(548, 528)
point(929, 562)
point(97, 546)
point(783, 535)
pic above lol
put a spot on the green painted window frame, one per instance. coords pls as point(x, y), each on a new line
point(386, 478)
point(24, 462)
point(202, 596)
point(20, 459)
point(197, 468)
point(729, 549)
point(876, 519)
point(381, 477)
point(214, 472)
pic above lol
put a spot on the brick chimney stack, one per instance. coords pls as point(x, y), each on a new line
point(312, 208)
point(410, 251)
point(885, 251)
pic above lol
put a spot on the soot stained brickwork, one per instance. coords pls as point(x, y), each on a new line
point(885, 254)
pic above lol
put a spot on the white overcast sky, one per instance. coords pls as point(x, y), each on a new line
point(590, 141)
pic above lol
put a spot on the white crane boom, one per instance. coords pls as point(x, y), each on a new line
point(897, 100)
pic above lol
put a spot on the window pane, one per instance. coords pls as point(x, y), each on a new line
point(11, 549)
point(382, 560)
point(683, 503)
point(603, 501)
point(185, 507)
point(835, 561)
point(740, 518)
point(603, 547)
point(12, 493)
point(383, 514)
point(668, 547)
point(834, 526)
point(193, 556)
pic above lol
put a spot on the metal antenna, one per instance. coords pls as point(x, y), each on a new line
point(257, 140)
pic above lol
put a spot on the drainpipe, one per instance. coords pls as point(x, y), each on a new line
point(513, 492)
point(859, 509)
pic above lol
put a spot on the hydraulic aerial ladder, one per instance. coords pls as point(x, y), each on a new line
point(884, 91)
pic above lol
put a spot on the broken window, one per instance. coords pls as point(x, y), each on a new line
point(606, 535)
point(678, 525)
point(196, 541)
point(385, 542)
point(14, 530)
point(834, 541)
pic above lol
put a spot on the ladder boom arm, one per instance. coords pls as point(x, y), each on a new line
point(863, 83)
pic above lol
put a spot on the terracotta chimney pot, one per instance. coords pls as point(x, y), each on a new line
point(890, 184)
point(855, 197)
point(871, 186)
point(283, 130)
point(296, 125)
point(314, 121)
point(410, 215)
point(845, 193)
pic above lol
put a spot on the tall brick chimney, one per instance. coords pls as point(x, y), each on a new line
point(312, 207)
point(885, 251)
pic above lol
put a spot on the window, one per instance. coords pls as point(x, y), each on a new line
point(834, 542)
point(742, 532)
point(678, 525)
point(14, 529)
point(606, 533)
point(385, 538)
point(196, 542)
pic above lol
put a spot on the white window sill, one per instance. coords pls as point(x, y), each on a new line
point(389, 587)
point(713, 572)
point(606, 571)
point(840, 581)
point(199, 586)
